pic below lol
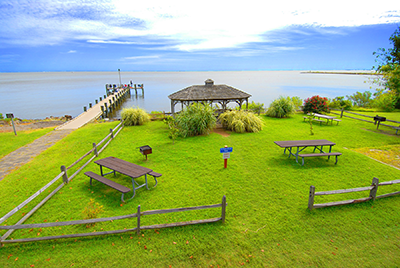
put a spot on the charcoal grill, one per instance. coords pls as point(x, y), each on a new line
point(145, 150)
point(378, 119)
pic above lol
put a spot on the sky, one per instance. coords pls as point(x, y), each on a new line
point(175, 35)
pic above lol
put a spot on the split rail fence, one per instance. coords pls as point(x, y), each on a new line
point(342, 113)
point(96, 150)
point(372, 194)
point(136, 229)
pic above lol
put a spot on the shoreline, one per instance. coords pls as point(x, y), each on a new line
point(342, 72)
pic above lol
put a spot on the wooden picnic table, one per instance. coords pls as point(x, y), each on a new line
point(300, 145)
point(127, 168)
point(327, 117)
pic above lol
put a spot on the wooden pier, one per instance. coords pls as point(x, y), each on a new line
point(100, 109)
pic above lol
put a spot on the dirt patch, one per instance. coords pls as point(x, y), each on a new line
point(221, 132)
point(6, 126)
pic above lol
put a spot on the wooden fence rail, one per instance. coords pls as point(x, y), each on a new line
point(342, 111)
point(137, 229)
point(66, 180)
point(372, 194)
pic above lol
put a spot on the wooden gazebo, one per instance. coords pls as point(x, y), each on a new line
point(209, 93)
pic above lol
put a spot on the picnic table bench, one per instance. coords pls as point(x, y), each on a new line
point(109, 183)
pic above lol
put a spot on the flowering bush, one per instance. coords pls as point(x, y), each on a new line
point(315, 104)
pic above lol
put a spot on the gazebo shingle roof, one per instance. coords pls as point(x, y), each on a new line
point(209, 92)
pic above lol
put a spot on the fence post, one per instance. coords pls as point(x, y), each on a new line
point(311, 198)
point(138, 220)
point(65, 176)
point(341, 114)
point(112, 134)
point(372, 193)
point(223, 212)
point(95, 149)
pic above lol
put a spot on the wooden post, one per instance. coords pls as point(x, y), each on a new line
point(95, 149)
point(90, 105)
point(112, 134)
point(102, 111)
point(65, 176)
point(106, 108)
point(84, 108)
point(372, 193)
point(101, 98)
point(341, 114)
point(223, 212)
point(311, 198)
point(96, 101)
point(138, 220)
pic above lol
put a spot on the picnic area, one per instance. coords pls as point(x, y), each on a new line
point(267, 224)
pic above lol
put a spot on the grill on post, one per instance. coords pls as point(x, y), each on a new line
point(145, 150)
point(379, 119)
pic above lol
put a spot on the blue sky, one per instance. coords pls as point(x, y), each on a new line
point(173, 35)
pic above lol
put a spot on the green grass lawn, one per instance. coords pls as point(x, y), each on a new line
point(268, 223)
point(10, 142)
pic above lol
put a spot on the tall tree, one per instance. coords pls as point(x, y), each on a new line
point(388, 61)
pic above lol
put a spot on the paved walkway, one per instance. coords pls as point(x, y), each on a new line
point(26, 153)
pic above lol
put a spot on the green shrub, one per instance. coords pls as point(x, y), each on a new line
point(297, 102)
point(195, 119)
point(1, 116)
point(281, 107)
point(386, 102)
point(134, 116)
point(173, 129)
point(315, 104)
point(241, 121)
point(340, 102)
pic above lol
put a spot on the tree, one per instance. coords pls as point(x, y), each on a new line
point(388, 66)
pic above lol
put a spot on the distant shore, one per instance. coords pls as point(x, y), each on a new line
point(342, 72)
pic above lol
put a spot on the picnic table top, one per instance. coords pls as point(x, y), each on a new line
point(123, 167)
point(299, 143)
point(323, 116)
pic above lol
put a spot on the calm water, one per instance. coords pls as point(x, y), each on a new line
point(39, 95)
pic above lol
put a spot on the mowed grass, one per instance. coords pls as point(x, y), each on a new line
point(10, 142)
point(268, 223)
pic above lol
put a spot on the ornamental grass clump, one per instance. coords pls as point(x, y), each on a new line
point(281, 107)
point(315, 104)
point(240, 121)
point(196, 119)
point(134, 116)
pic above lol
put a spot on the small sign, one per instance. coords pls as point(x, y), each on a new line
point(226, 150)
point(226, 155)
point(10, 115)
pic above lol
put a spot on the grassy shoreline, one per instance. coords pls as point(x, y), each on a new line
point(268, 223)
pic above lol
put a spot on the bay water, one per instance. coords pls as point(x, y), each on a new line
point(40, 95)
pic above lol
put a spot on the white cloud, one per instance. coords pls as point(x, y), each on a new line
point(199, 25)
point(72, 51)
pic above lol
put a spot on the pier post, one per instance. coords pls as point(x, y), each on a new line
point(90, 105)
point(96, 101)
point(105, 96)
point(84, 108)
point(102, 111)
point(106, 109)
point(110, 105)
point(101, 98)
